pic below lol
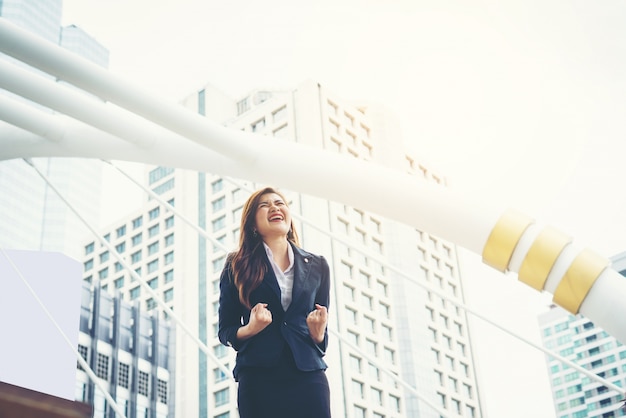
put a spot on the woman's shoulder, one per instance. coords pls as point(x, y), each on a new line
point(305, 253)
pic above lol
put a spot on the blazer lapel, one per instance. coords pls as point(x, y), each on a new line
point(271, 281)
point(301, 269)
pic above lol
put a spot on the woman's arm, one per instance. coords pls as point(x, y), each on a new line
point(317, 320)
point(230, 310)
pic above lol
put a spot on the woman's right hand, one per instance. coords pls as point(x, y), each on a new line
point(260, 318)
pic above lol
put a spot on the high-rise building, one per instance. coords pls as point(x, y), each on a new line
point(35, 217)
point(128, 350)
point(579, 340)
point(400, 346)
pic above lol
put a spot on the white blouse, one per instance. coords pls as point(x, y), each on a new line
point(284, 278)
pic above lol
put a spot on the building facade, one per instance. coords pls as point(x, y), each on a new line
point(128, 350)
point(578, 339)
point(399, 345)
point(35, 217)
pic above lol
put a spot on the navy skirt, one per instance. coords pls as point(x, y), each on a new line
point(283, 391)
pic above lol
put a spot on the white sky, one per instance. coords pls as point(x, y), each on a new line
point(523, 102)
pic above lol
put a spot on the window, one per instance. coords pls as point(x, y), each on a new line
point(242, 106)
point(359, 412)
point(355, 363)
point(456, 405)
point(154, 213)
point(219, 223)
point(121, 231)
point(159, 173)
point(217, 186)
point(137, 222)
point(89, 248)
point(237, 214)
point(364, 278)
point(348, 292)
point(136, 240)
point(370, 324)
point(88, 265)
point(357, 388)
point(384, 310)
point(372, 346)
point(153, 266)
point(367, 301)
point(258, 125)
point(220, 240)
point(83, 351)
point(168, 295)
point(102, 366)
point(390, 355)
point(218, 204)
point(281, 132)
point(123, 375)
point(169, 240)
point(153, 230)
point(394, 403)
point(378, 245)
point(121, 247)
point(154, 283)
point(162, 188)
point(221, 397)
point(104, 257)
point(345, 270)
point(153, 248)
point(470, 411)
point(135, 292)
point(169, 222)
point(104, 273)
point(143, 383)
point(377, 396)
point(381, 288)
point(220, 351)
point(351, 316)
point(279, 114)
point(386, 332)
point(168, 258)
point(135, 257)
point(218, 264)
point(219, 375)
point(162, 391)
point(119, 283)
point(168, 276)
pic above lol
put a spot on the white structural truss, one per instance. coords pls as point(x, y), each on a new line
point(117, 121)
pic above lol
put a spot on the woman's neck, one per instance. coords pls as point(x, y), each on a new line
point(279, 251)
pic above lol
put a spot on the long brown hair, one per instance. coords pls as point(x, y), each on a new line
point(248, 262)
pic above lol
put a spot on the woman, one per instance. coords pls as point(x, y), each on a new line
point(274, 298)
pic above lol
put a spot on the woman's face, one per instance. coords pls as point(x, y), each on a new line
point(272, 218)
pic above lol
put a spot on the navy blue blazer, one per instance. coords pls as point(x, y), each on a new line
point(311, 285)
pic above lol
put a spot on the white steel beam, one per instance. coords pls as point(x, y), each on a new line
point(580, 280)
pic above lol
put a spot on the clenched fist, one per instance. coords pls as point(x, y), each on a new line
point(317, 320)
point(260, 317)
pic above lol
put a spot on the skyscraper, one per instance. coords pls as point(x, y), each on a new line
point(127, 348)
point(578, 339)
point(35, 218)
point(399, 344)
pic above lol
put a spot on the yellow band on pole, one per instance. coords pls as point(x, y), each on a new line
point(503, 239)
point(541, 256)
point(579, 279)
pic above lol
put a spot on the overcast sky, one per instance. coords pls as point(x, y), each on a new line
point(522, 102)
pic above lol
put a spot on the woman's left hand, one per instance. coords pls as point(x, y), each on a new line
point(316, 321)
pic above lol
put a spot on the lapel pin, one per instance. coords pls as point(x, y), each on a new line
point(306, 260)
